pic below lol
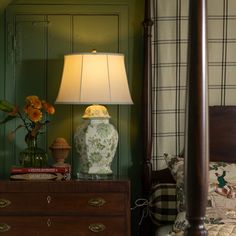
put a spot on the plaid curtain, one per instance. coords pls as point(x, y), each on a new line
point(169, 67)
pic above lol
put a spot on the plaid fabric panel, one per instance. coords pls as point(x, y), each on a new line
point(169, 67)
point(162, 204)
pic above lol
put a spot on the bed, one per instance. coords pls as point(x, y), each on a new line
point(210, 132)
point(163, 184)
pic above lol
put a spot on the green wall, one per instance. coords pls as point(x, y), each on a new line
point(42, 32)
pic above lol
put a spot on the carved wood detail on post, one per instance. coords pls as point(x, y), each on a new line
point(147, 99)
point(196, 145)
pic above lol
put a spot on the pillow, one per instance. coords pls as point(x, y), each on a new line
point(221, 205)
point(162, 204)
point(176, 166)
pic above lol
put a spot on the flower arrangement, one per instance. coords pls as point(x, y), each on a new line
point(33, 115)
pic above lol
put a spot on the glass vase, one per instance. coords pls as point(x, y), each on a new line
point(33, 156)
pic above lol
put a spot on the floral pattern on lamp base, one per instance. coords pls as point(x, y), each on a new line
point(96, 142)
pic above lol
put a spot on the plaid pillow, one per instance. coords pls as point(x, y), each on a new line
point(162, 204)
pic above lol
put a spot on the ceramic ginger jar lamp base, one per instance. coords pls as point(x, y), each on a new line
point(96, 142)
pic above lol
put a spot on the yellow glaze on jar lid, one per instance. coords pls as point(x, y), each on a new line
point(96, 111)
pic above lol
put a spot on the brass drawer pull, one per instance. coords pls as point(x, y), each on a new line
point(49, 199)
point(96, 202)
point(96, 228)
point(4, 227)
point(4, 203)
point(49, 222)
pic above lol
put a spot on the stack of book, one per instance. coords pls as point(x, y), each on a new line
point(48, 173)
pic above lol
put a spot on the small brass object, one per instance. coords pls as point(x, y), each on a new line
point(4, 227)
point(96, 202)
point(49, 199)
point(97, 227)
point(49, 222)
point(4, 203)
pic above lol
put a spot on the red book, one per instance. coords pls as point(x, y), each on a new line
point(21, 170)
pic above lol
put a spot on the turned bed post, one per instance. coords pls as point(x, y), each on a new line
point(196, 145)
point(147, 99)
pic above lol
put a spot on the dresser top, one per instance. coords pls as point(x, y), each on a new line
point(113, 185)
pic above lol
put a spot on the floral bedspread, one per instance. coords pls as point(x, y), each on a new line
point(216, 230)
point(221, 230)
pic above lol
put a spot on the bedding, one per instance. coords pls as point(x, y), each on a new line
point(221, 203)
point(221, 230)
point(213, 230)
point(164, 230)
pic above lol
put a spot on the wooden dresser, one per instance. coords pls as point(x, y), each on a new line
point(68, 208)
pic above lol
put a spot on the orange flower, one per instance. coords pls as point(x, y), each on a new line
point(48, 108)
point(34, 101)
point(26, 108)
point(34, 115)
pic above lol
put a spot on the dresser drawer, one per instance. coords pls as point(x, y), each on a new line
point(61, 226)
point(63, 203)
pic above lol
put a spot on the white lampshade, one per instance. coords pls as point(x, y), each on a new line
point(94, 78)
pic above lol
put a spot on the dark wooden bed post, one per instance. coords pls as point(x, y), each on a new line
point(196, 153)
point(147, 99)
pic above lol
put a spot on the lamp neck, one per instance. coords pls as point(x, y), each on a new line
point(99, 121)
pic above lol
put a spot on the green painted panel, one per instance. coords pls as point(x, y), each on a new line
point(66, 1)
point(30, 65)
point(98, 32)
point(3, 4)
point(76, 9)
point(9, 88)
point(59, 43)
point(25, 73)
point(2, 72)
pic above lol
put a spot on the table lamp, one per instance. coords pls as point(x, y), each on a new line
point(95, 78)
